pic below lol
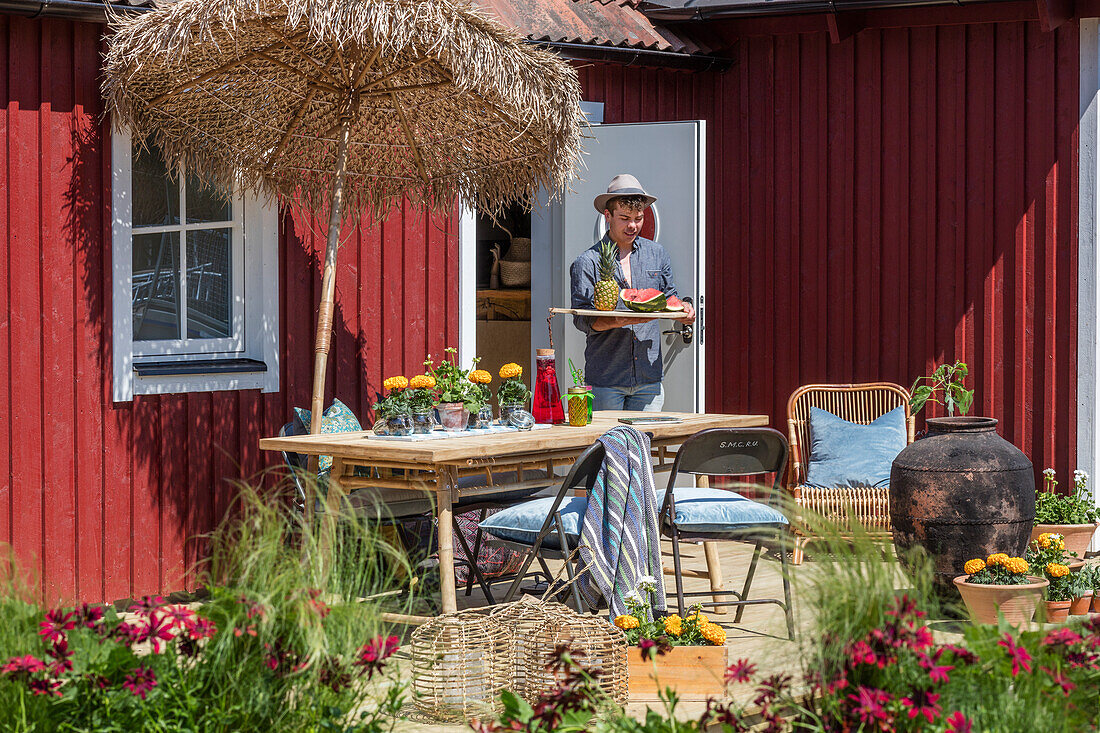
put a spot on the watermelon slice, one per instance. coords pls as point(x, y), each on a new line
point(674, 304)
point(646, 300)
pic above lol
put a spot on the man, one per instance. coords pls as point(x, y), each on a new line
point(623, 355)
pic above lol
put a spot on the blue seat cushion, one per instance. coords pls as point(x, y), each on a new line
point(846, 454)
point(697, 510)
point(337, 418)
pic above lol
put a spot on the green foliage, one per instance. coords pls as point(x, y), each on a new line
point(396, 402)
point(453, 382)
point(665, 631)
point(513, 392)
point(269, 651)
point(1077, 507)
point(946, 381)
point(422, 399)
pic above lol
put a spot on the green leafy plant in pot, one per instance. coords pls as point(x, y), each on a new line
point(1073, 515)
point(458, 396)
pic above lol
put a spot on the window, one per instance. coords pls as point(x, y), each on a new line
point(195, 281)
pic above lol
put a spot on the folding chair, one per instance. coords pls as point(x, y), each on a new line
point(697, 513)
point(549, 528)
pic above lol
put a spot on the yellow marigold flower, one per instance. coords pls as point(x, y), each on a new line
point(480, 376)
point(699, 619)
point(511, 370)
point(397, 382)
point(996, 558)
point(1057, 543)
point(713, 633)
point(626, 622)
point(1016, 565)
point(422, 381)
point(974, 566)
point(674, 625)
point(1057, 570)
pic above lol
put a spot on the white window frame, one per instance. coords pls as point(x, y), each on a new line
point(255, 301)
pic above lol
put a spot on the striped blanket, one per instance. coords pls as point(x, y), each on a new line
point(620, 543)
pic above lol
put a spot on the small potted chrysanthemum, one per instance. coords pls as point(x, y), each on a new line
point(1074, 516)
point(686, 653)
point(1000, 584)
point(1047, 553)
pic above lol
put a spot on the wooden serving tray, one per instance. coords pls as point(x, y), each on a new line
point(617, 314)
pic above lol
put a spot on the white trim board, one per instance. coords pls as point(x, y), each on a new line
point(1088, 292)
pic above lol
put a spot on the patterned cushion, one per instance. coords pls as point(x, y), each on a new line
point(337, 418)
point(845, 454)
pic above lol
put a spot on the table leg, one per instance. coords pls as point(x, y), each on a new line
point(448, 480)
point(334, 503)
point(714, 565)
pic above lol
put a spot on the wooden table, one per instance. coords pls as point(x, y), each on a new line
point(434, 466)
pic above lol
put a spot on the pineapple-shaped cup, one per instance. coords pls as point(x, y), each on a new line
point(607, 289)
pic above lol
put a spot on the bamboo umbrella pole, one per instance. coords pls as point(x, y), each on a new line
point(328, 286)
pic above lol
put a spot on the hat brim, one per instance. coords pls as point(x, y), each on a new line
point(600, 202)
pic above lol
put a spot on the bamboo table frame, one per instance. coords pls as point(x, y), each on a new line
point(434, 466)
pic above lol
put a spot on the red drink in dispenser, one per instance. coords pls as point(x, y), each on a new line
point(547, 404)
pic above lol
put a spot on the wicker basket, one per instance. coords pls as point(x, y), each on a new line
point(515, 274)
point(520, 250)
point(534, 629)
point(461, 664)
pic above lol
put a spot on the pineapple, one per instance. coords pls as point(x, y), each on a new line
point(607, 289)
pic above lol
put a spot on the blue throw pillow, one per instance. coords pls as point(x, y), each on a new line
point(845, 454)
point(337, 418)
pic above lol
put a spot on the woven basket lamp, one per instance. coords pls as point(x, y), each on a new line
point(534, 630)
point(460, 666)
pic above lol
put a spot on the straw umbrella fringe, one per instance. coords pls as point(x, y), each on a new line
point(347, 105)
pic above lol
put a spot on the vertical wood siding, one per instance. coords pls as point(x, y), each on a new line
point(102, 500)
point(879, 206)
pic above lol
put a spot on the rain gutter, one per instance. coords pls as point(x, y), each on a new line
point(86, 10)
point(788, 7)
point(636, 56)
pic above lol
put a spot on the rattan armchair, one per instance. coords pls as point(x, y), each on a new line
point(858, 403)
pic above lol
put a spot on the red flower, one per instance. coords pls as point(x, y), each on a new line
point(201, 628)
point(904, 608)
point(1063, 635)
point(961, 654)
point(132, 632)
point(1020, 658)
point(56, 624)
point(1060, 679)
point(936, 672)
point(870, 707)
point(45, 687)
point(88, 615)
point(140, 681)
point(180, 617)
point(147, 605)
point(373, 654)
point(957, 723)
point(922, 638)
point(26, 664)
point(922, 702)
point(740, 671)
point(61, 653)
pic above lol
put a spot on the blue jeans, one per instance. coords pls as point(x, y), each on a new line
point(643, 397)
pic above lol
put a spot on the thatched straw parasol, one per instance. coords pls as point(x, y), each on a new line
point(347, 105)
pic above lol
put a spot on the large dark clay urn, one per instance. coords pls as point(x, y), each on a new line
point(961, 492)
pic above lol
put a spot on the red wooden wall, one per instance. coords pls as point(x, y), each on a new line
point(100, 499)
point(878, 206)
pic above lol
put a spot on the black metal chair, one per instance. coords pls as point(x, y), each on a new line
point(696, 513)
point(559, 534)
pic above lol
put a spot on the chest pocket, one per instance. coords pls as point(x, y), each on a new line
point(652, 279)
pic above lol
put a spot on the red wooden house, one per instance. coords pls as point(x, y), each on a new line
point(886, 188)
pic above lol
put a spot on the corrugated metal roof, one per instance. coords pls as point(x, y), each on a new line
point(595, 22)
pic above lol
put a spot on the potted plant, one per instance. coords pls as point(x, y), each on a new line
point(1081, 583)
point(512, 394)
point(1073, 516)
point(1048, 554)
point(422, 401)
point(392, 411)
point(694, 650)
point(457, 395)
point(481, 379)
point(1000, 584)
point(1094, 577)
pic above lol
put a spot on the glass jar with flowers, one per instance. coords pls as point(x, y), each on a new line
point(422, 401)
point(1074, 516)
point(457, 396)
point(1048, 554)
point(1000, 585)
point(392, 411)
point(481, 379)
point(512, 394)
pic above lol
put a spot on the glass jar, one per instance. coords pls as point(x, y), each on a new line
point(423, 422)
point(506, 410)
point(453, 416)
point(399, 423)
point(578, 403)
point(547, 407)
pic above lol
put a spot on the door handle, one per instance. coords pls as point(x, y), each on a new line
point(686, 332)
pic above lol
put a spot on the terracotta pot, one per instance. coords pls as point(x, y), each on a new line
point(1077, 536)
point(1016, 602)
point(694, 672)
point(1095, 603)
point(453, 416)
point(1057, 611)
point(960, 493)
point(1080, 606)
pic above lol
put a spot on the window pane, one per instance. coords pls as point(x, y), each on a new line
point(209, 283)
point(205, 203)
point(156, 286)
point(156, 194)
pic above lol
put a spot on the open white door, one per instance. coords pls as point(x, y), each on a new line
point(667, 157)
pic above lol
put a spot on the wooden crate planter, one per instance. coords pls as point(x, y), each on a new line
point(695, 672)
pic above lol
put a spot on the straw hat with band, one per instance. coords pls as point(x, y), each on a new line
point(623, 184)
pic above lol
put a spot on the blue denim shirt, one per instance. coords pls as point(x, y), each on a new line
point(629, 356)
